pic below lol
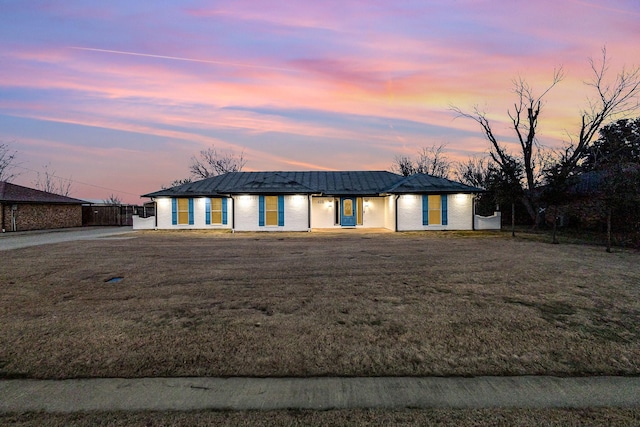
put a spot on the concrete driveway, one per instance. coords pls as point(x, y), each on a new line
point(23, 239)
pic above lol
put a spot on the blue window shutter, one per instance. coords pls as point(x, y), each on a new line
point(224, 211)
point(174, 211)
point(443, 205)
point(281, 210)
point(190, 211)
point(425, 209)
point(207, 211)
point(261, 211)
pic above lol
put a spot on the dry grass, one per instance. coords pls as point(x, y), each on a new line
point(318, 304)
point(360, 417)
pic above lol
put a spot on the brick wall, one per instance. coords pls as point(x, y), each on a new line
point(42, 216)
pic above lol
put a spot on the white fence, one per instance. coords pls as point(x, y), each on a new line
point(483, 222)
point(144, 223)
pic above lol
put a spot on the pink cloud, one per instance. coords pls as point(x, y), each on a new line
point(250, 72)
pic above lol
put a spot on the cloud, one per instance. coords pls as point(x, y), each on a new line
point(176, 58)
point(325, 85)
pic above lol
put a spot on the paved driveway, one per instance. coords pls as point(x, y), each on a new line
point(16, 240)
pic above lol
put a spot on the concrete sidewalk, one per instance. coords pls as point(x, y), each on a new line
point(316, 393)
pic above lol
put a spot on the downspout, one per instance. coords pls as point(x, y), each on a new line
point(309, 211)
point(155, 213)
point(2, 209)
point(233, 214)
point(14, 226)
point(473, 212)
point(397, 196)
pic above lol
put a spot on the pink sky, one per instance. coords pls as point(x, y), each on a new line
point(118, 95)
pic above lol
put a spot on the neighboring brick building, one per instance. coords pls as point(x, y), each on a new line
point(23, 208)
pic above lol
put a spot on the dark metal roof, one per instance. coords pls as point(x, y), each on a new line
point(423, 183)
point(13, 193)
point(357, 183)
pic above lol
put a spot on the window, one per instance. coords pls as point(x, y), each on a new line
point(182, 211)
point(271, 211)
point(434, 209)
point(347, 206)
point(216, 211)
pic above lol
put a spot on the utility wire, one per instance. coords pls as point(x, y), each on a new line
point(52, 174)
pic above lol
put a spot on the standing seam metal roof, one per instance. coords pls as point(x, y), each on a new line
point(315, 182)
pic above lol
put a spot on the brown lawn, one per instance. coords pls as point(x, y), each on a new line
point(349, 304)
point(343, 417)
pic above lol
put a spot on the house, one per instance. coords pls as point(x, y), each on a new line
point(24, 208)
point(302, 201)
point(589, 195)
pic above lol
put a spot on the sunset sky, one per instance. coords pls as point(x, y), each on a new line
point(118, 95)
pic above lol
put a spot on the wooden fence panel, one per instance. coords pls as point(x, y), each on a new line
point(118, 215)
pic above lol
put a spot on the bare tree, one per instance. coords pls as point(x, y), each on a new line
point(612, 99)
point(403, 165)
point(474, 172)
point(51, 183)
point(112, 200)
point(433, 161)
point(177, 182)
point(7, 162)
point(211, 162)
point(430, 160)
point(524, 121)
point(479, 171)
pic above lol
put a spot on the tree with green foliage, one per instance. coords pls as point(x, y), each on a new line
point(554, 193)
point(618, 141)
point(505, 181)
point(615, 159)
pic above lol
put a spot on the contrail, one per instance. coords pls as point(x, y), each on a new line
point(177, 58)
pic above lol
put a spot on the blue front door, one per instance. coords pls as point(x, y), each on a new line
point(348, 212)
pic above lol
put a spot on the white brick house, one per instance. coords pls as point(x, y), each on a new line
point(302, 201)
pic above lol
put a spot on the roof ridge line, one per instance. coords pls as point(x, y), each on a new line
point(399, 183)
